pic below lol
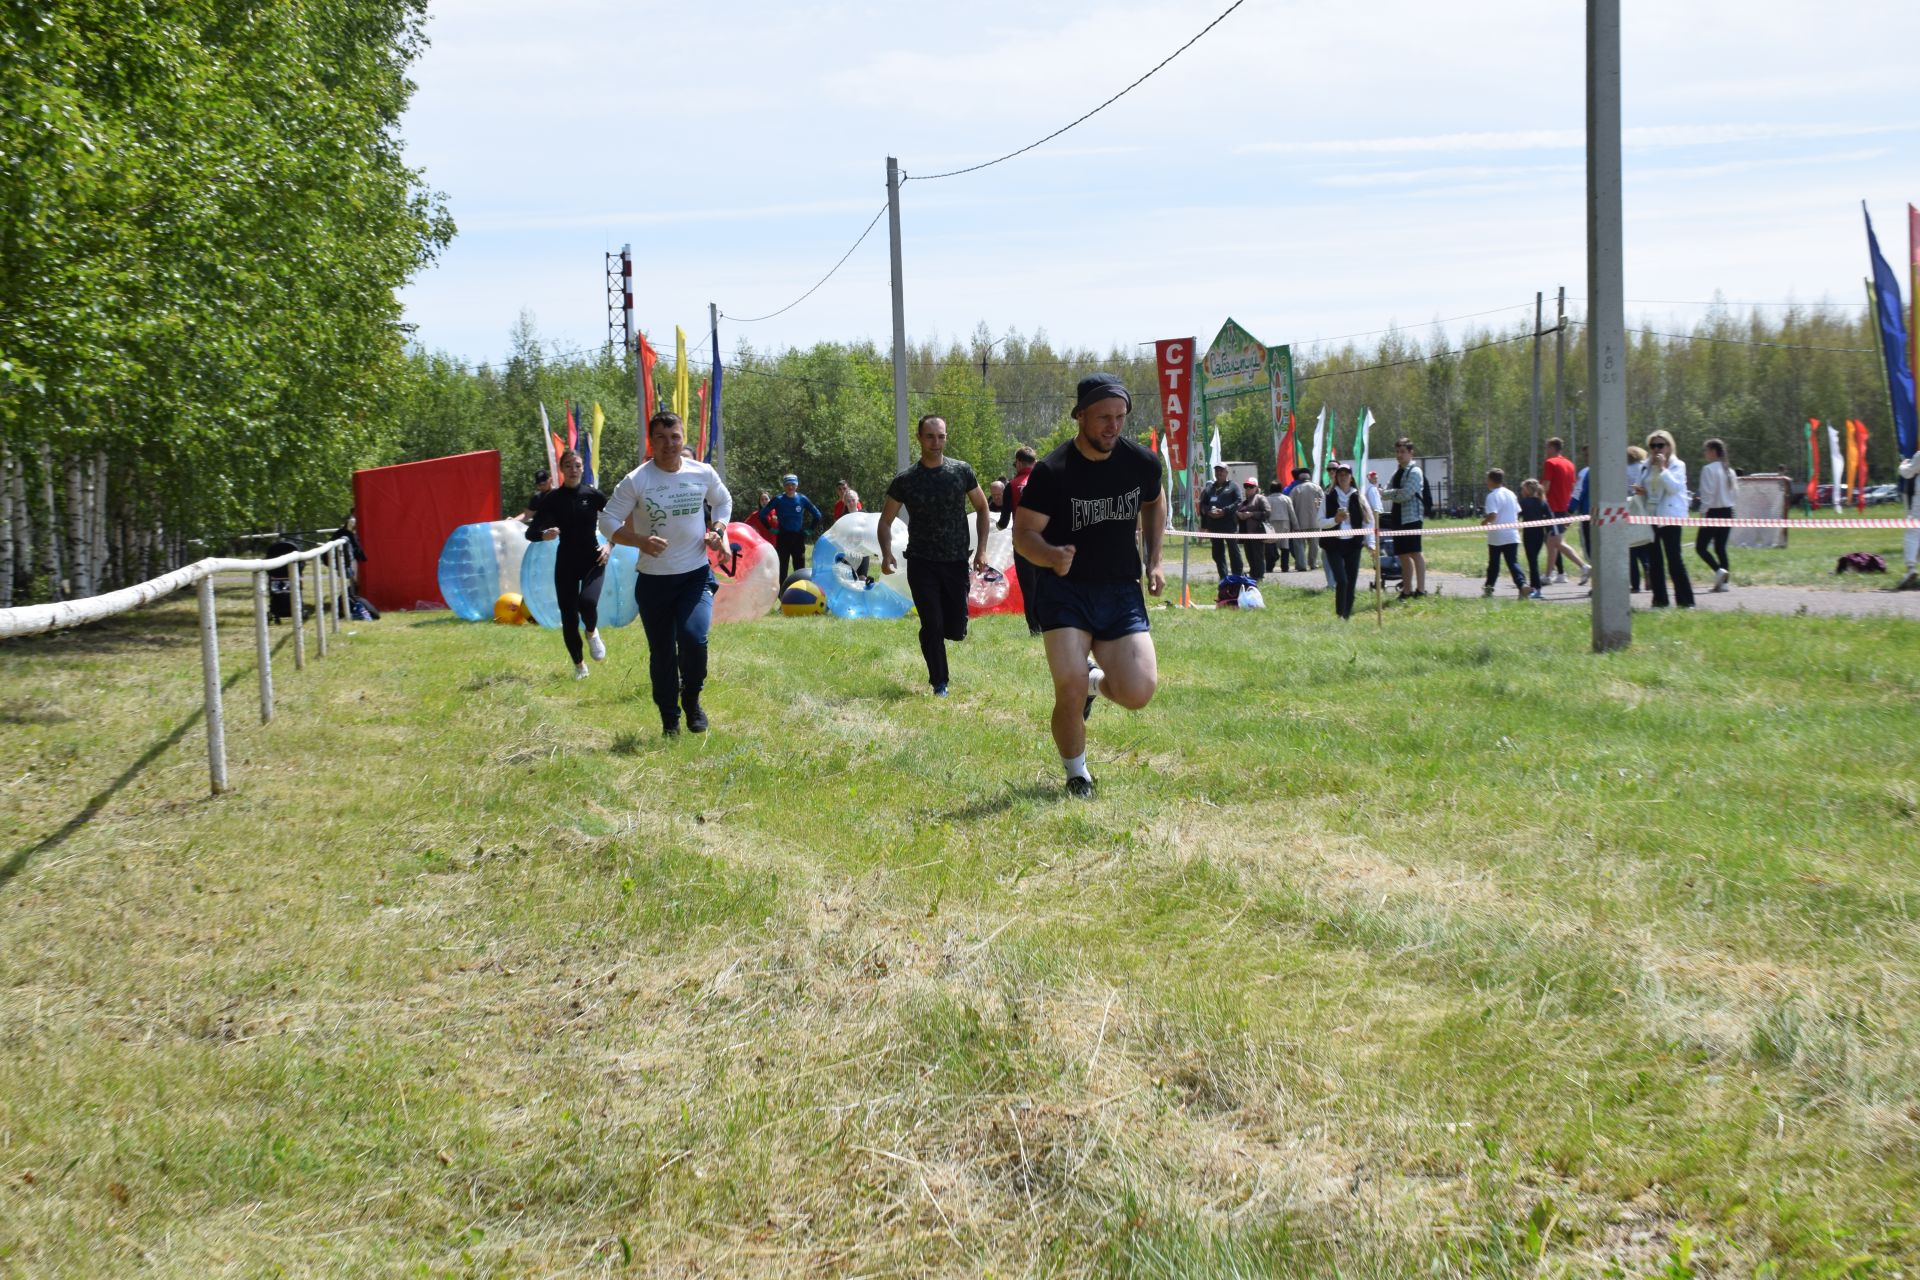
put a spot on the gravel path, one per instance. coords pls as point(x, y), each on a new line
point(1821, 601)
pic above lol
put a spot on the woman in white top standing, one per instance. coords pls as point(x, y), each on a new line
point(678, 507)
point(1637, 569)
point(1665, 489)
point(1718, 487)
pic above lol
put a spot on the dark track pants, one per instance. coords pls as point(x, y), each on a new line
point(1343, 560)
point(792, 548)
point(939, 590)
point(675, 611)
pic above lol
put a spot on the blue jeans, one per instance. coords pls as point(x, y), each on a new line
point(675, 611)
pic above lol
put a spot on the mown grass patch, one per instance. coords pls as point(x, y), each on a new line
point(1443, 947)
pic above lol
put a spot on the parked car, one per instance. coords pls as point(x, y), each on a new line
point(1882, 493)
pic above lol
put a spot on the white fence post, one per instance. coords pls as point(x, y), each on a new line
point(299, 618)
point(262, 647)
point(322, 592)
point(339, 601)
point(210, 671)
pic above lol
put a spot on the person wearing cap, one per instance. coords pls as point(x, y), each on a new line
point(1252, 514)
point(1085, 511)
point(936, 492)
point(791, 513)
point(542, 482)
point(1306, 497)
point(1218, 501)
point(1024, 570)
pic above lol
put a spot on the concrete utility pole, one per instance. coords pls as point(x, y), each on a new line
point(1560, 427)
point(716, 456)
point(1533, 449)
point(901, 435)
point(1606, 331)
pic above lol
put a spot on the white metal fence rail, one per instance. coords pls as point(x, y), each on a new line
point(329, 606)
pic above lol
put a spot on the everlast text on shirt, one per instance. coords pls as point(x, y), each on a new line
point(1091, 511)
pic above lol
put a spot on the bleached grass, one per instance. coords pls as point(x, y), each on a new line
point(1447, 949)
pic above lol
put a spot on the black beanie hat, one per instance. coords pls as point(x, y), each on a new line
point(1101, 386)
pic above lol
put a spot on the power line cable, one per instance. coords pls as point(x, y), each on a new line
point(987, 164)
point(1395, 364)
point(823, 279)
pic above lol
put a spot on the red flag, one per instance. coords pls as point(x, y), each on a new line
point(1283, 460)
point(700, 424)
point(1859, 429)
point(648, 358)
point(573, 427)
point(1176, 395)
point(1813, 461)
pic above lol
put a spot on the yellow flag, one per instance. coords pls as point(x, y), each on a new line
point(599, 420)
point(682, 392)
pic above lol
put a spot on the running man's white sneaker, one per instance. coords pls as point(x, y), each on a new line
point(579, 671)
point(596, 646)
point(1094, 676)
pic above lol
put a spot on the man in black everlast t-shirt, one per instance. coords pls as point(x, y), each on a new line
point(1077, 517)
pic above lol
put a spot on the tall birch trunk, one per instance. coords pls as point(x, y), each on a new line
point(6, 526)
point(79, 529)
point(22, 519)
point(101, 560)
point(50, 555)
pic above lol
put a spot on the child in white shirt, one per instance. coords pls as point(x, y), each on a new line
point(1502, 508)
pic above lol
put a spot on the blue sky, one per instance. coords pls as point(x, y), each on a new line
point(1311, 169)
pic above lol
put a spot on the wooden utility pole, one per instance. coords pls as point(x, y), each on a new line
point(1533, 449)
point(900, 432)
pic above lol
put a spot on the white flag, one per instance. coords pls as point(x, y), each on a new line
point(546, 446)
point(1360, 443)
point(1839, 465)
point(1319, 438)
point(1213, 449)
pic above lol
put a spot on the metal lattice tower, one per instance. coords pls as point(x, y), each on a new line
point(616, 303)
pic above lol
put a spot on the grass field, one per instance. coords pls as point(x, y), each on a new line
point(1806, 561)
point(1443, 949)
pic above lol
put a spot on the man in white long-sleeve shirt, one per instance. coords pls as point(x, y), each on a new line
point(672, 508)
point(1910, 489)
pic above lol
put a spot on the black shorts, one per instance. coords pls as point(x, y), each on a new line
point(1405, 542)
point(1559, 530)
point(1104, 610)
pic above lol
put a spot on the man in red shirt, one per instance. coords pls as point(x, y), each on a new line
point(847, 501)
point(1559, 476)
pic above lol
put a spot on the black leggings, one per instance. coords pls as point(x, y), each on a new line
point(1343, 556)
point(1534, 539)
point(576, 586)
point(1711, 544)
point(792, 549)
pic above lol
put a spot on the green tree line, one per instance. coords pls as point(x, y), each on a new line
point(204, 215)
point(826, 411)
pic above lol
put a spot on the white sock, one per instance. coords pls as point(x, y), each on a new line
point(1094, 677)
point(1076, 766)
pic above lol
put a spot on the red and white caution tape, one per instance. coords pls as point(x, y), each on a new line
point(1612, 515)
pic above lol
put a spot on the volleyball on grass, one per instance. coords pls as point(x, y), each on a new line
point(802, 598)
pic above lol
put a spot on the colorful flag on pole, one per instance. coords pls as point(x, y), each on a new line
point(1813, 461)
point(1913, 300)
point(1213, 448)
point(1838, 454)
point(1283, 457)
point(648, 359)
point(700, 422)
point(1893, 342)
point(716, 457)
point(573, 426)
point(593, 437)
point(682, 384)
point(1860, 465)
point(1360, 443)
point(1319, 436)
point(549, 446)
point(1323, 476)
point(1174, 359)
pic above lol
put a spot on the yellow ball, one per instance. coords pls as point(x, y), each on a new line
point(802, 598)
point(510, 609)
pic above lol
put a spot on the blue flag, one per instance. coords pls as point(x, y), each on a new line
point(715, 458)
point(1893, 340)
point(586, 459)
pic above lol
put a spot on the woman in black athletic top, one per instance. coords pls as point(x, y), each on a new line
point(570, 511)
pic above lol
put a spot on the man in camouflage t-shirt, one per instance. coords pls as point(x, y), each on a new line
point(936, 492)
